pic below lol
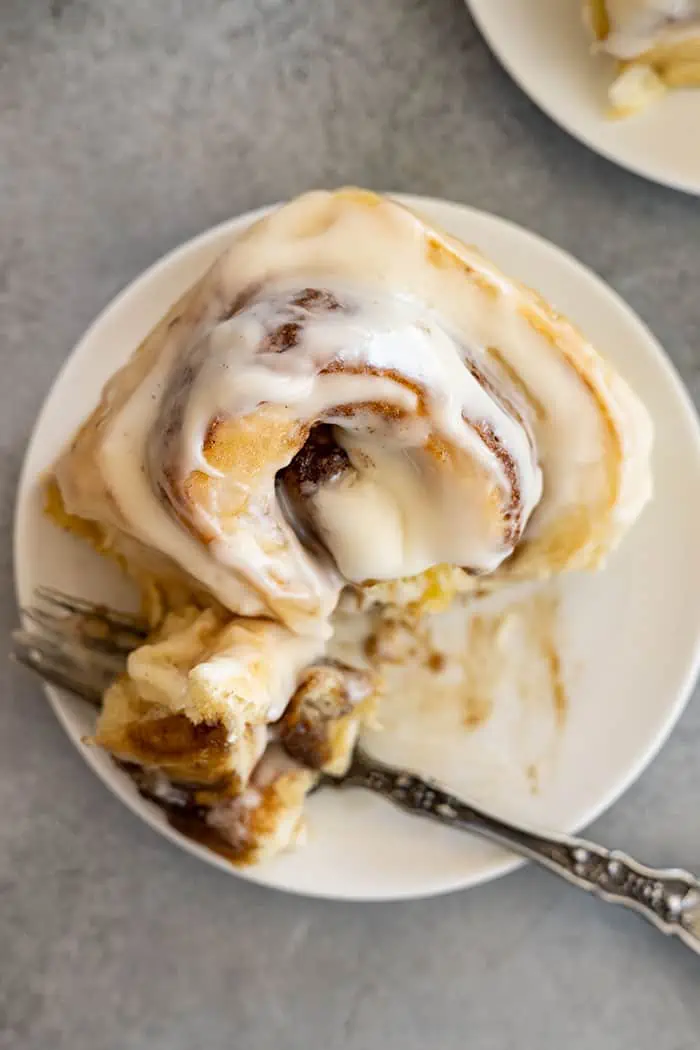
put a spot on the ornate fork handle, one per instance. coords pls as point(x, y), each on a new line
point(669, 898)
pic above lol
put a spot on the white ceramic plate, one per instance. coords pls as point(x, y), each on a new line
point(545, 47)
point(631, 632)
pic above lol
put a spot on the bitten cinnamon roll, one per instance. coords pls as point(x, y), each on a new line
point(656, 44)
point(351, 396)
point(348, 401)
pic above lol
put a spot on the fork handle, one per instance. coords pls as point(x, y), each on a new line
point(668, 898)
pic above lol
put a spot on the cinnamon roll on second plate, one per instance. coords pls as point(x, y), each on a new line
point(349, 400)
point(655, 43)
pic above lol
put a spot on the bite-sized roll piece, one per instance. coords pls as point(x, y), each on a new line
point(352, 397)
point(268, 817)
point(656, 44)
point(226, 723)
point(195, 701)
point(317, 734)
point(264, 818)
point(322, 722)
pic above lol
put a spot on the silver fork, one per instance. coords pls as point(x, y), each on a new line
point(75, 644)
point(80, 647)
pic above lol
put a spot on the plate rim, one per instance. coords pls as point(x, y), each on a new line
point(153, 818)
point(649, 174)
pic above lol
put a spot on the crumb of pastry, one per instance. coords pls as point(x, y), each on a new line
point(394, 640)
point(635, 88)
point(431, 591)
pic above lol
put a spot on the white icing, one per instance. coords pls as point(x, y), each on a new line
point(397, 514)
point(401, 509)
point(637, 26)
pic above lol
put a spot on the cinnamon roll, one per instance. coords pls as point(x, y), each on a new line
point(656, 44)
point(227, 723)
point(349, 397)
point(348, 401)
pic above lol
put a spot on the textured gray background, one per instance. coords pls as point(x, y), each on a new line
point(126, 127)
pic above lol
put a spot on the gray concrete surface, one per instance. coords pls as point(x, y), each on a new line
point(126, 127)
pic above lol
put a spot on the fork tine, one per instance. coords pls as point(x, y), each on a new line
point(41, 618)
point(81, 607)
point(49, 672)
point(67, 628)
point(71, 651)
point(76, 644)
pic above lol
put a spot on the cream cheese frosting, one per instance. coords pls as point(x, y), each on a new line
point(637, 26)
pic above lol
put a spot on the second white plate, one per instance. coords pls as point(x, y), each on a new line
point(544, 46)
point(630, 633)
